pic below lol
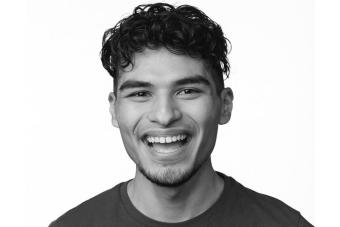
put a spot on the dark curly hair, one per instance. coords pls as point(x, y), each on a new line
point(183, 30)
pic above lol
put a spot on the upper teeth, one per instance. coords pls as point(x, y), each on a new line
point(165, 139)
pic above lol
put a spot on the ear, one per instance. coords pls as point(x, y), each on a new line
point(112, 100)
point(227, 98)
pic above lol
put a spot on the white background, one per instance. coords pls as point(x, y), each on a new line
point(71, 152)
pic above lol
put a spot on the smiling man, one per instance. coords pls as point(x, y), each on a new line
point(168, 109)
point(168, 101)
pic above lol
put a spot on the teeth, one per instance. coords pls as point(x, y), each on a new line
point(162, 140)
point(165, 139)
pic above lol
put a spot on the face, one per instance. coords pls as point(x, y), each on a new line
point(168, 110)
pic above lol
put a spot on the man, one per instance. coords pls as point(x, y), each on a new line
point(167, 64)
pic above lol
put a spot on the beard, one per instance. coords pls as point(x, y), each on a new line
point(169, 177)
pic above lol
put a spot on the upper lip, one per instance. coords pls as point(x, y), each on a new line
point(165, 132)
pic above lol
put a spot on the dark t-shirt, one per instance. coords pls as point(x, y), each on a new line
point(237, 206)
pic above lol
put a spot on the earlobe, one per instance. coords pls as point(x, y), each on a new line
point(227, 98)
point(112, 100)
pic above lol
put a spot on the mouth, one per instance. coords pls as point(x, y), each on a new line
point(167, 144)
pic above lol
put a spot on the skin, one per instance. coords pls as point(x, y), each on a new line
point(168, 94)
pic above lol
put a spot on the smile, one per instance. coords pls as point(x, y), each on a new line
point(167, 144)
point(165, 139)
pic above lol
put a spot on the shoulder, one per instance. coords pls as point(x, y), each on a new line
point(99, 209)
point(258, 209)
point(251, 199)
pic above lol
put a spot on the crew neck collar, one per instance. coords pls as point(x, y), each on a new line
point(139, 217)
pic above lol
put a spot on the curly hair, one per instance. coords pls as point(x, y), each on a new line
point(183, 30)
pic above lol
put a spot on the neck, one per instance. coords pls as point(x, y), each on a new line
point(176, 204)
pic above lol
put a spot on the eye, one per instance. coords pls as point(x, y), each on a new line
point(139, 94)
point(188, 91)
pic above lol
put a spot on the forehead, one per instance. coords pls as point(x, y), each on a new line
point(163, 67)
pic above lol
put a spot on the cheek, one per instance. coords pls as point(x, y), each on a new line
point(205, 116)
point(203, 112)
point(128, 115)
point(126, 128)
point(127, 120)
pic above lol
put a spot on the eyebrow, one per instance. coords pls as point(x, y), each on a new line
point(130, 84)
point(196, 79)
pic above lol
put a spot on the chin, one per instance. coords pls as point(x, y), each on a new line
point(169, 177)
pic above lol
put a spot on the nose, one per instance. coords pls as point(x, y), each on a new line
point(164, 111)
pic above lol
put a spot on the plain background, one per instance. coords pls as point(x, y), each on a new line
point(71, 152)
point(74, 152)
